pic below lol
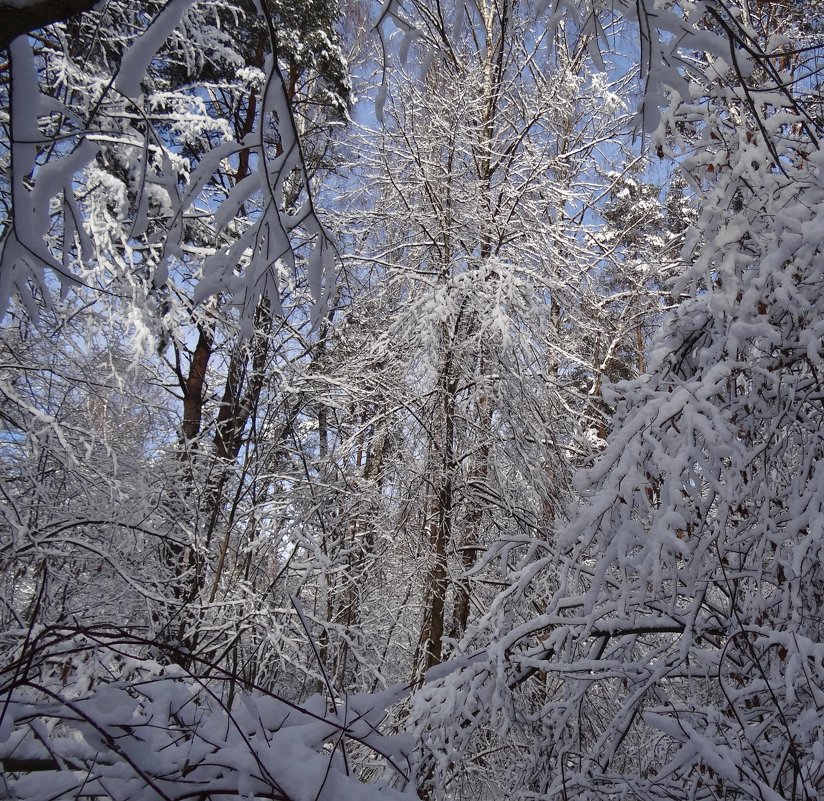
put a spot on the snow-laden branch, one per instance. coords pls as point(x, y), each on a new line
point(101, 177)
point(89, 713)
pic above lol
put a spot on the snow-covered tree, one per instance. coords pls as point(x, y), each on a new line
point(678, 647)
point(120, 118)
point(272, 490)
point(482, 161)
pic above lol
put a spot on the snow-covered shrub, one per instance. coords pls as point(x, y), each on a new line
point(90, 714)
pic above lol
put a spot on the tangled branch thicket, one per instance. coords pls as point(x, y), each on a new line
point(523, 471)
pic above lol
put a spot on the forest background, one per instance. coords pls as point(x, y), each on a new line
point(411, 400)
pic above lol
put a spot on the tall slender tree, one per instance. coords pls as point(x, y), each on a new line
point(482, 248)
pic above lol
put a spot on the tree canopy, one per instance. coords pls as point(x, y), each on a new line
point(416, 399)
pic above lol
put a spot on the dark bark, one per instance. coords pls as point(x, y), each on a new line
point(429, 651)
point(193, 387)
point(16, 22)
